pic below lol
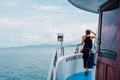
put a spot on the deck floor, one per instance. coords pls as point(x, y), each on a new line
point(80, 76)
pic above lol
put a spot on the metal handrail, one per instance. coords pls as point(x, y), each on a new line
point(63, 47)
point(67, 46)
point(54, 60)
point(62, 52)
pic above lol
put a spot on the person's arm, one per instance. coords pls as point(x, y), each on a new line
point(83, 38)
point(94, 35)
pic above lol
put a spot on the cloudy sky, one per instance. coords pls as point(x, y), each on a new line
point(31, 22)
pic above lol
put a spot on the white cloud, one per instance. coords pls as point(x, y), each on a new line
point(48, 8)
point(41, 23)
point(9, 3)
point(16, 22)
point(32, 33)
point(8, 21)
point(46, 34)
point(30, 38)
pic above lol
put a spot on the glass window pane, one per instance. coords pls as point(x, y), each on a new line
point(109, 32)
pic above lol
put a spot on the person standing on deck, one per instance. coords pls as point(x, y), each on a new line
point(87, 42)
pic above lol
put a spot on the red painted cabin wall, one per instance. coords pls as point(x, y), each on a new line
point(108, 69)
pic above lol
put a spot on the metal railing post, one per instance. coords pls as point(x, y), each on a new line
point(63, 51)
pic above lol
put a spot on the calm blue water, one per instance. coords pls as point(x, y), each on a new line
point(25, 63)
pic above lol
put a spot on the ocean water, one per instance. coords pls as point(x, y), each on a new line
point(25, 63)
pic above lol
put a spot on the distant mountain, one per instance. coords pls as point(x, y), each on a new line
point(45, 46)
point(39, 46)
point(42, 46)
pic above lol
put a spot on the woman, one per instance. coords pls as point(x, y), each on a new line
point(87, 41)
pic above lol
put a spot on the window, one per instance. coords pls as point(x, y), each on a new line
point(109, 35)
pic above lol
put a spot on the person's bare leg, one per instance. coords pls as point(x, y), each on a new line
point(86, 73)
point(86, 69)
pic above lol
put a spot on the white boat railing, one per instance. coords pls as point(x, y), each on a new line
point(61, 52)
point(64, 49)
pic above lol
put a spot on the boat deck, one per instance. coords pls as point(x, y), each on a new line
point(69, 67)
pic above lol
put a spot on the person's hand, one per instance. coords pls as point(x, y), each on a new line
point(78, 44)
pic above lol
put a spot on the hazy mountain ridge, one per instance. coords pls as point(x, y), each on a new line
point(39, 46)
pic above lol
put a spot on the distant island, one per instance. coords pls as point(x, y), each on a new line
point(41, 46)
point(38, 46)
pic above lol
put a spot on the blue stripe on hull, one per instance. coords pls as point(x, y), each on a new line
point(80, 76)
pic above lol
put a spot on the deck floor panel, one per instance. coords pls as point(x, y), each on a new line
point(80, 76)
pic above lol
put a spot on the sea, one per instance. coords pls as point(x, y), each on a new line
point(25, 63)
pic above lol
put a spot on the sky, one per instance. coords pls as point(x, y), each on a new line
point(35, 22)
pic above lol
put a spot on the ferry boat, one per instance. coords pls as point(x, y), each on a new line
point(106, 48)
